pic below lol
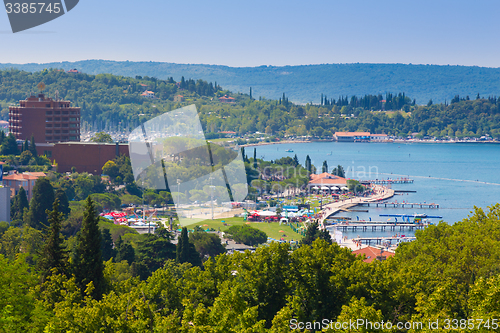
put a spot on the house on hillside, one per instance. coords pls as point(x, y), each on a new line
point(226, 99)
point(148, 94)
point(372, 253)
point(26, 180)
point(74, 70)
point(178, 98)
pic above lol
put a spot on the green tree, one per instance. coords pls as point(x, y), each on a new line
point(54, 257)
point(25, 157)
point(124, 251)
point(110, 169)
point(313, 233)
point(41, 201)
point(63, 202)
point(19, 204)
point(207, 244)
point(102, 137)
point(325, 167)
point(9, 146)
point(107, 245)
point(88, 265)
point(185, 251)
point(33, 147)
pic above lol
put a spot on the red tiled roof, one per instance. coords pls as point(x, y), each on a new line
point(327, 179)
point(371, 253)
point(25, 176)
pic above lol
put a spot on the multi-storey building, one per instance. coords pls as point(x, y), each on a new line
point(46, 119)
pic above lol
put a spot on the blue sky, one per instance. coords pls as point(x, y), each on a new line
point(272, 32)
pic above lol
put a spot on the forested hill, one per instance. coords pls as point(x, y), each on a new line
point(306, 83)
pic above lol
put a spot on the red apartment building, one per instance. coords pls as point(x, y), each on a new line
point(46, 119)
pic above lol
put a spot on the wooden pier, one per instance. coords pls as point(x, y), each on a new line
point(400, 204)
point(379, 226)
point(382, 240)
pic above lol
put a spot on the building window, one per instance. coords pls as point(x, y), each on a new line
point(64, 125)
point(72, 137)
point(65, 112)
point(65, 119)
point(72, 125)
point(47, 105)
point(72, 119)
point(48, 125)
point(48, 112)
point(72, 132)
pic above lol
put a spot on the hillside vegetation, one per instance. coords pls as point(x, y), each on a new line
point(110, 102)
point(306, 83)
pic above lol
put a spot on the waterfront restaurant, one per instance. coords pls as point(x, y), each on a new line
point(326, 182)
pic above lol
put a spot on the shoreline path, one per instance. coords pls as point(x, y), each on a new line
point(381, 193)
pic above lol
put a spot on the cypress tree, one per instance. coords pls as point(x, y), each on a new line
point(182, 251)
point(42, 200)
point(88, 266)
point(255, 158)
point(295, 160)
point(21, 203)
point(325, 167)
point(186, 251)
point(26, 145)
point(63, 202)
point(32, 147)
point(107, 245)
point(54, 254)
point(250, 92)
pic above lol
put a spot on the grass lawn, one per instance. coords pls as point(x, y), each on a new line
point(271, 229)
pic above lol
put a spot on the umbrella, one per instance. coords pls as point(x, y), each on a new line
point(334, 188)
point(344, 188)
point(315, 188)
point(324, 188)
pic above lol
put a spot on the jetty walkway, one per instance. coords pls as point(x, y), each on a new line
point(388, 181)
point(381, 193)
point(382, 240)
point(400, 204)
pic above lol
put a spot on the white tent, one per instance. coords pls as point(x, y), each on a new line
point(324, 188)
point(315, 188)
point(334, 188)
point(266, 213)
point(344, 188)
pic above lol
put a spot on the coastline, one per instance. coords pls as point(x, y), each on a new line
point(376, 142)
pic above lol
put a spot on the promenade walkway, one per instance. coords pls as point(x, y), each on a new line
point(381, 193)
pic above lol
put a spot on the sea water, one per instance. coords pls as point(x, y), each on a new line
point(457, 176)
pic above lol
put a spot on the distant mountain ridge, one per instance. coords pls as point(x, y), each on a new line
point(306, 83)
